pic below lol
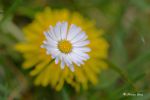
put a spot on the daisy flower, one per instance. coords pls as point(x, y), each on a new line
point(67, 45)
point(63, 47)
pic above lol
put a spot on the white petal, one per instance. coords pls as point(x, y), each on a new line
point(62, 65)
point(81, 54)
point(73, 31)
point(49, 44)
point(64, 27)
point(67, 60)
point(56, 60)
point(82, 43)
point(48, 37)
point(53, 33)
point(81, 37)
point(57, 30)
point(53, 52)
point(77, 59)
point(83, 49)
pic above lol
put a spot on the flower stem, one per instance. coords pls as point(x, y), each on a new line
point(65, 94)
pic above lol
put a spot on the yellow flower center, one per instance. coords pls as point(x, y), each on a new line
point(64, 46)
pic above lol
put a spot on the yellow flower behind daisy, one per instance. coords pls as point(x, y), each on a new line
point(60, 47)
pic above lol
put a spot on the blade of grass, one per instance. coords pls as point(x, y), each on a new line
point(11, 10)
point(6, 24)
point(122, 73)
point(140, 60)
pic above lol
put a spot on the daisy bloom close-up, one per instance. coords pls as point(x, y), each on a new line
point(63, 47)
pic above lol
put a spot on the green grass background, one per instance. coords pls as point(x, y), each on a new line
point(126, 24)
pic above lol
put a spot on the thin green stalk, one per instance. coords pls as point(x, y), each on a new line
point(140, 60)
point(122, 73)
point(65, 94)
point(11, 10)
point(6, 24)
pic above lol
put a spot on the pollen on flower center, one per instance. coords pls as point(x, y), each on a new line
point(65, 46)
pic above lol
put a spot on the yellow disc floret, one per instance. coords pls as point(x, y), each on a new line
point(65, 46)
